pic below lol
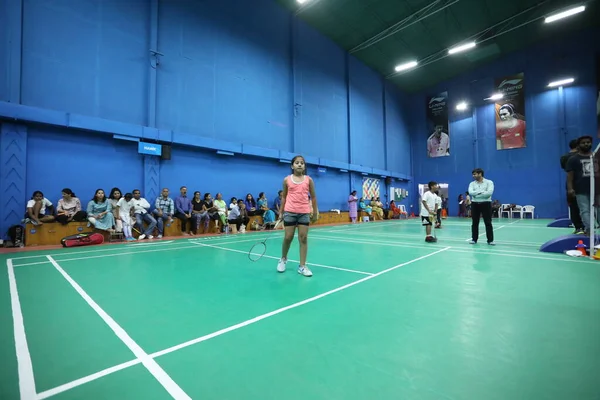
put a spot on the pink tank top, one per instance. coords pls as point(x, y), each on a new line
point(297, 196)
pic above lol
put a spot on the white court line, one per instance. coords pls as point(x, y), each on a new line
point(409, 236)
point(473, 251)
point(279, 311)
point(277, 258)
point(25, 368)
point(86, 379)
point(494, 229)
point(106, 248)
point(151, 365)
point(119, 367)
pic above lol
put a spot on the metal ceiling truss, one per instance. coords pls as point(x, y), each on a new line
point(423, 13)
point(483, 36)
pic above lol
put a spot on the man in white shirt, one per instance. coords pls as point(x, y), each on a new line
point(429, 210)
point(481, 191)
point(140, 210)
point(438, 144)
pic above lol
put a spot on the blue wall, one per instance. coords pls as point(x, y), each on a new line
point(233, 75)
point(522, 176)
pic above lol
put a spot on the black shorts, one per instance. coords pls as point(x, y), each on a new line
point(426, 221)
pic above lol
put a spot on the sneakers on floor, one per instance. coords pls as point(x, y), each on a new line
point(304, 271)
point(491, 243)
point(281, 265)
point(472, 241)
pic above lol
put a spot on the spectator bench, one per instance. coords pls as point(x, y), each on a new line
point(51, 233)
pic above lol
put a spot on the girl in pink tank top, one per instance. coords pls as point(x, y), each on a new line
point(297, 213)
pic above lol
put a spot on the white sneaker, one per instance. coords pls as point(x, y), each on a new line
point(159, 236)
point(304, 271)
point(281, 265)
point(141, 237)
point(150, 237)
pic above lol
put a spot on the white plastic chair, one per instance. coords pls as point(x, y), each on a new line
point(518, 210)
point(528, 210)
point(502, 210)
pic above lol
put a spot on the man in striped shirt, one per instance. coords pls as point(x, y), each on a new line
point(481, 191)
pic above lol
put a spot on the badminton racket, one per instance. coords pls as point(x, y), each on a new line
point(260, 248)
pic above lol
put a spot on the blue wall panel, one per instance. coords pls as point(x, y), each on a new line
point(226, 71)
point(87, 57)
point(397, 146)
point(246, 78)
point(13, 173)
point(321, 95)
point(366, 116)
point(88, 163)
point(531, 175)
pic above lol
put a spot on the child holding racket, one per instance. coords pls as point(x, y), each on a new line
point(429, 210)
point(297, 212)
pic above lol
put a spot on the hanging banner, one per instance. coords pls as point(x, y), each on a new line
point(598, 95)
point(370, 188)
point(510, 113)
point(438, 141)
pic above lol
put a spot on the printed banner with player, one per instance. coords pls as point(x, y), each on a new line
point(510, 113)
point(598, 95)
point(438, 140)
point(370, 188)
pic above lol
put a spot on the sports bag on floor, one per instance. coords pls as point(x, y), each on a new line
point(82, 239)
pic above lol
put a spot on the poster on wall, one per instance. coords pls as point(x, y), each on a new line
point(438, 140)
point(510, 113)
point(370, 188)
point(396, 194)
point(598, 93)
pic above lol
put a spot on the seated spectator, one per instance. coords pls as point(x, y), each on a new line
point(222, 212)
point(183, 209)
point(239, 216)
point(140, 211)
point(69, 208)
point(363, 207)
point(263, 205)
point(99, 211)
point(164, 208)
point(251, 205)
point(395, 210)
point(39, 209)
point(113, 198)
point(233, 203)
point(496, 208)
point(277, 204)
point(125, 206)
point(199, 213)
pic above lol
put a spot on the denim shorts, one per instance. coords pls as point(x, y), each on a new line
point(293, 219)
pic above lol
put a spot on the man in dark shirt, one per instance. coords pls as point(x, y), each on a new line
point(572, 200)
point(579, 171)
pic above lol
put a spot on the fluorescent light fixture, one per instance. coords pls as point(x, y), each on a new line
point(405, 66)
point(460, 48)
point(561, 82)
point(564, 14)
point(301, 1)
point(224, 153)
point(495, 96)
point(462, 106)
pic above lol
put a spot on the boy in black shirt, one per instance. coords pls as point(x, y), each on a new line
point(572, 200)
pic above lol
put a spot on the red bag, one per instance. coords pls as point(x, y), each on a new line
point(82, 239)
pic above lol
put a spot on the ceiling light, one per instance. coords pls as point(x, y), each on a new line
point(301, 1)
point(561, 82)
point(460, 48)
point(405, 66)
point(564, 14)
point(461, 106)
point(495, 96)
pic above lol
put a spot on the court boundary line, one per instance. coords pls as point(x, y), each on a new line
point(289, 259)
point(26, 377)
point(418, 235)
point(151, 365)
point(107, 371)
point(473, 251)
